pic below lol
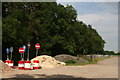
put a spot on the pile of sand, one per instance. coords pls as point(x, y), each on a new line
point(4, 67)
point(46, 61)
point(66, 57)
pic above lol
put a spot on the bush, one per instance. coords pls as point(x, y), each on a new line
point(70, 61)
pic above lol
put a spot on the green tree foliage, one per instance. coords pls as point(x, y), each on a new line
point(52, 25)
point(109, 52)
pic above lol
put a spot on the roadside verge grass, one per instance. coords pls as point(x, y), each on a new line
point(73, 63)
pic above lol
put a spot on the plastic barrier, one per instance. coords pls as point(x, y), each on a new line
point(7, 62)
point(11, 64)
point(27, 65)
point(35, 64)
point(20, 65)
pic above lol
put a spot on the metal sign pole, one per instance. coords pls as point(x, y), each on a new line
point(28, 55)
point(7, 57)
point(36, 52)
point(11, 56)
point(21, 56)
point(11, 50)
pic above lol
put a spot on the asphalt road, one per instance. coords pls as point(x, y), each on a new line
point(104, 69)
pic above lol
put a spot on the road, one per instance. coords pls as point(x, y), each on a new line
point(104, 69)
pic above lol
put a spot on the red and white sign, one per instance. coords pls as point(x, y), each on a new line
point(28, 44)
point(37, 46)
point(21, 50)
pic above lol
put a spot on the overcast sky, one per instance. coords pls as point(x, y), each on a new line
point(103, 16)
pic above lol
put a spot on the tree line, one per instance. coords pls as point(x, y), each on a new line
point(52, 25)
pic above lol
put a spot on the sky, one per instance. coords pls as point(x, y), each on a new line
point(103, 16)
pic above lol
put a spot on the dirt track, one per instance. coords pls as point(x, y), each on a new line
point(104, 69)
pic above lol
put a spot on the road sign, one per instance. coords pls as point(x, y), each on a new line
point(21, 50)
point(24, 48)
point(11, 49)
point(37, 46)
point(28, 44)
point(7, 50)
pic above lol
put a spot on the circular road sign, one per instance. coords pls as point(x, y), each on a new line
point(28, 44)
point(37, 46)
point(21, 50)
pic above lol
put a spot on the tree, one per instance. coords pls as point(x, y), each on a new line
point(52, 25)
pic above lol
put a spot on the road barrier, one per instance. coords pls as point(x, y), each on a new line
point(7, 62)
point(27, 65)
point(11, 64)
point(35, 64)
point(20, 65)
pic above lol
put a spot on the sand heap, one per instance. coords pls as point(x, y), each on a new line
point(48, 61)
point(66, 57)
point(4, 67)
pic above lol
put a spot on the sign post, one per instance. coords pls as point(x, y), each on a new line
point(24, 50)
point(37, 46)
point(11, 50)
point(7, 51)
point(28, 51)
point(36, 62)
point(21, 50)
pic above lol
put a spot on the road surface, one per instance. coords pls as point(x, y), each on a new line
point(104, 69)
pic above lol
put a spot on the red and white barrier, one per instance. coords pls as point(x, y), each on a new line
point(20, 65)
point(11, 64)
point(27, 65)
point(7, 62)
point(35, 64)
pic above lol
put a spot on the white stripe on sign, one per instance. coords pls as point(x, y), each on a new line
point(37, 46)
point(21, 50)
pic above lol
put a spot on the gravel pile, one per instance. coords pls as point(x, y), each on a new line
point(65, 57)
point(4, 67)
point(46, 61)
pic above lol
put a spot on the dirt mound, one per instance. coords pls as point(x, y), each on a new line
point(65, 57)
point(48, 61)
point(4, 67)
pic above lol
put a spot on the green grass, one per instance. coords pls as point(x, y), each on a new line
point(70, 63)
point(99, 59)
point(81, 63)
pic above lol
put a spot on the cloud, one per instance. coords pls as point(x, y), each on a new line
point(102, 15)
point(107, 26)
point(101, 21)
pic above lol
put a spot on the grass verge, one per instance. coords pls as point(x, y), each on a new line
point(72, 63)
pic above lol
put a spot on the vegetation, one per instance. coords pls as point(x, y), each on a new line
point(80, 63)
point(73, 63)
point(70, 61)
point(52, 25)
point(109, 52)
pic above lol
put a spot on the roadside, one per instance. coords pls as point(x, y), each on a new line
point(107, 68)
point(89, 61)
